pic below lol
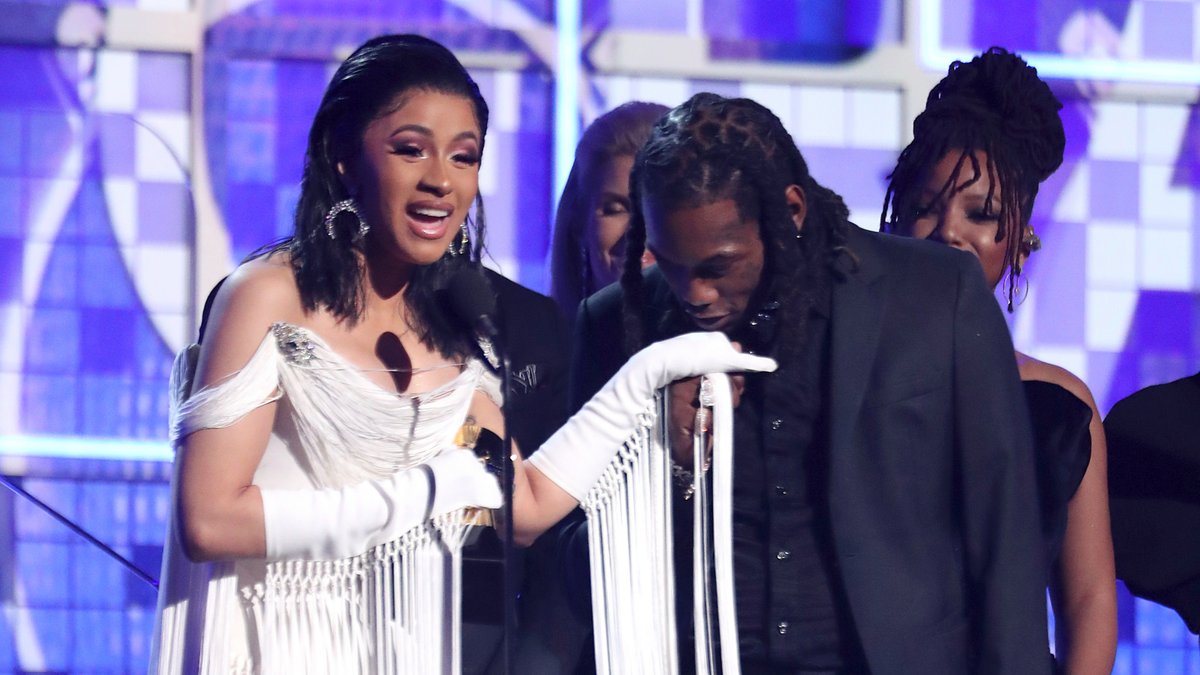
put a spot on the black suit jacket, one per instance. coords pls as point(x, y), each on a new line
point(531, 328)
point(933, 499)
point(533, 331)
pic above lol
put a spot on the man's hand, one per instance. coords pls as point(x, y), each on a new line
point(583, 449)
point(683, 400)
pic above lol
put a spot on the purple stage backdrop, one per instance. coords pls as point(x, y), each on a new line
point(120, 166)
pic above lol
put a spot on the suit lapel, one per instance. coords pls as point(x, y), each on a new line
point(857, 312)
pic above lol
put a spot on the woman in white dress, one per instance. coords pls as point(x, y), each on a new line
point(318, 495)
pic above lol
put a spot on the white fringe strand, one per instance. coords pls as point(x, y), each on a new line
point(632, 551)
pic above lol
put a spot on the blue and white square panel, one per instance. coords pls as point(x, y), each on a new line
point(509, 229)
point(150, 207)
point(98, 302)
point(1119, 240)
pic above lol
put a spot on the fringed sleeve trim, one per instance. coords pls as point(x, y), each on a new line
point(221, 405)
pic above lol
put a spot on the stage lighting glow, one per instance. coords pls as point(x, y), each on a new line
point(70, 447)
point(568, 15)
point(934, 57)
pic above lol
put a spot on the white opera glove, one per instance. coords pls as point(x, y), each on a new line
point(577, 454)
point(330, 524)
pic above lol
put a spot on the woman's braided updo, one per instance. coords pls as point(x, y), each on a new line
point(713, 148)
point(997, 105)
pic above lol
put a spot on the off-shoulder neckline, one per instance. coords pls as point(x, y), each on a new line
point(300, 355)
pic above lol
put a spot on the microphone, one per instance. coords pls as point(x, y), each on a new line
point(472, 299)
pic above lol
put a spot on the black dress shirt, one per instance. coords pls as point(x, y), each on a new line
point(792, 612)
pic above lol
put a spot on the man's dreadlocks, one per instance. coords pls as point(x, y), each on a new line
point(713, 148)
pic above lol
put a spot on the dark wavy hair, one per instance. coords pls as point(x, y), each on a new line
point(713, 148)
point(996, 104)
point(620, 132)
point(329, 273)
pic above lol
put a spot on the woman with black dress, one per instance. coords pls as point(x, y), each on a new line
point(989, 135)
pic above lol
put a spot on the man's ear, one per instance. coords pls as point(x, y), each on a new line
point(797, 203)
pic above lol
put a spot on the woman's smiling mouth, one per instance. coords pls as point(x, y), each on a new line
point(429, 220)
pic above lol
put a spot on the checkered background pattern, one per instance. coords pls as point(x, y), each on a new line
point(96, 256)
point(94, 285)
point(1113, 292)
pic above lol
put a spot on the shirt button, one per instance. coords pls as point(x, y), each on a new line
point(776, 423)
point(781, 491)
point(782, 627)
point(783, 555)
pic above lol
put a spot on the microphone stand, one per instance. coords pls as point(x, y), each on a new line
point(510, 582)
point(87, 536)
point(474, 301)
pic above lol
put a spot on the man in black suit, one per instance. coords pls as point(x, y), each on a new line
point(885, 508)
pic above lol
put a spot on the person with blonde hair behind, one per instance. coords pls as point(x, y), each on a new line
point(589, 231)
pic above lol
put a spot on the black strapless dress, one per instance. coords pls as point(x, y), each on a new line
point(1063, 448)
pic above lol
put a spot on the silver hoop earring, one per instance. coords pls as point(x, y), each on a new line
point(341, 207)
point(1015, 288)
point(463, 245)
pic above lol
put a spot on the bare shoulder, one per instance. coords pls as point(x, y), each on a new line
point(263, 286)
point(256, 295)
point(1033, 369)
